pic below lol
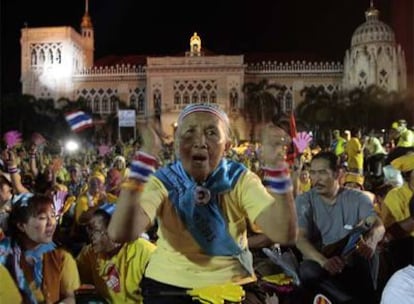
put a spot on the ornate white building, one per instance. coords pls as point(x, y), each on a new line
point(374, 57)
point(58, 62)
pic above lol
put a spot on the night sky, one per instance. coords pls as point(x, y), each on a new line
point(155, 27)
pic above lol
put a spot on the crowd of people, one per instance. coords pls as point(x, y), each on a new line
point(190, 222)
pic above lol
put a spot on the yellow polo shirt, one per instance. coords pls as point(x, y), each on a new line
point(117, 278)
point(396, 206)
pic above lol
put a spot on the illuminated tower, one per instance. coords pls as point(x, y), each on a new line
point(50, 56)
point(195, 45)
point(87, 35)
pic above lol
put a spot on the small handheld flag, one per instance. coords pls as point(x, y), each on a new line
point(79, 121)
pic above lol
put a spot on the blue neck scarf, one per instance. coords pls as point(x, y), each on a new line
point(204, 221)
point(34, 257)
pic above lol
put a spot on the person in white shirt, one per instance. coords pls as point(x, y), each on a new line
point(400, 287)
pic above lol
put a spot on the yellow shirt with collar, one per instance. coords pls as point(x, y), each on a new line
point(396, 206)
point(130, 263)
point(179, 260)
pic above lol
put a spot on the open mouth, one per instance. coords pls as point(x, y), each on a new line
point(49, 233)
point(199, 158)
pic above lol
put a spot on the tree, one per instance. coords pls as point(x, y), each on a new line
point(318, 111)
point(12, 116)
point(261, 103)
point(371, 108)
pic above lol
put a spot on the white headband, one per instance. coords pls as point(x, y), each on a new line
point(204, 107)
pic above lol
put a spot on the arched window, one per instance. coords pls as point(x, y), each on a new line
point(177, 98)
point(50, 56)
point(234, 99)
point(204, 96)
point(288, 102)
point(156, 102)
point(59, 57)
point(141, 104)
point(194, 98)
point(33, 58)
point(114, 104)
point(186, 98)
point(42, 56)
point(105, 104)
point(213, 97)
point(96, 105)
point(89, 101)
point(133, 101)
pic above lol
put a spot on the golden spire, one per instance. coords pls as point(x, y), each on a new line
point(372, 12)
point(195, 37)
point(86, 19)
point(195, 44)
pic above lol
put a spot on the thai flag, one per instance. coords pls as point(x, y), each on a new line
point(78, 121)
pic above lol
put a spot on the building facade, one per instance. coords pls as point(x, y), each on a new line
point(58, 62)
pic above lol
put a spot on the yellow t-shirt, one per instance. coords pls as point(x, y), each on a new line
point(304, 187)
point(396, 206)
point(84, 202)
point(179, 260)
point(117, 279)
point(355, 155)
point(9, 293)
point(340, 146)
point(406, 139)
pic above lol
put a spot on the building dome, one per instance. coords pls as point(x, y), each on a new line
point(372, 30)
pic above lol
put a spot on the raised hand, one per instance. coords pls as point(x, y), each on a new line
point(274, 146)
point(59, 199)
point(302, 141)
point(38, 139)
point(33, 149)
point(56, 164)
point(11, 158)
point(152, 143)
point(12, 138)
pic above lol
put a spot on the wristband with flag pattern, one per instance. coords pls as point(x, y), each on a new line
point(142, 166)
point(277, 180)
